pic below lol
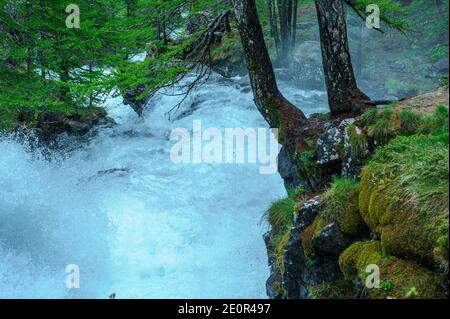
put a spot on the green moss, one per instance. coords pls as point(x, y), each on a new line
point(341, 206)
point(399, 278)
point(404, 197)
point(341, 289)
point(279, 251)
point(279, 216)
point(311, 232)
point(308, 164)
point(273, 113)
point(358, 141)
point(437, 52)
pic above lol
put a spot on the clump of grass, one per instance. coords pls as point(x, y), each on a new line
point(383, 125)
point(409, 122)
point(340, 205)
point(436, 123)
point(280, 213)
point(358, 142)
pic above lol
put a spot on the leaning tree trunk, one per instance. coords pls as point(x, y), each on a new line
point(276, 110)
point(343, 93)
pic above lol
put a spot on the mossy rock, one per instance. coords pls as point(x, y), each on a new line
point(399, 278)
point(340, 206)
point(310, 233)
point(404, 197)
point(279, 252)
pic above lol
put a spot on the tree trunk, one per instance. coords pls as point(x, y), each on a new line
point(285, 31)
point(294, 24)
point(343, 93)
point(273, 25)
point(275, 109)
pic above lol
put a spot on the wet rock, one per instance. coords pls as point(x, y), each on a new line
point(272, 286)
point(330, 241)
point(329, 146)
point(52, 124)
point(287, 168)
point(297, 271)
point(26, 115)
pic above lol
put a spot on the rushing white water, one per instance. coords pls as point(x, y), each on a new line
point(150, 228)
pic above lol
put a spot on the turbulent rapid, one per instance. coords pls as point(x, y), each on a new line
point(135, 223)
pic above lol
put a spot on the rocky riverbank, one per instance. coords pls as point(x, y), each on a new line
point(371, 190)
point(47, 125)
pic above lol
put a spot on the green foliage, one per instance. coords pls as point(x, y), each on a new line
point(386, 285)
point(392, 13)
point(43, 63)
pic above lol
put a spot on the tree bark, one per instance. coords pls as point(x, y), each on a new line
point(273, 25)
point(343, 93)
point(275, 109)
point(285, 30)
point(294, 23)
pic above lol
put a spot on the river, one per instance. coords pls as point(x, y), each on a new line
point(135, 223)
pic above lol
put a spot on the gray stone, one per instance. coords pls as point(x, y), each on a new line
point(328, 146)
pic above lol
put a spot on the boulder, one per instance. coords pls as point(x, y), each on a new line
point(297, 273)
point(329, 146)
